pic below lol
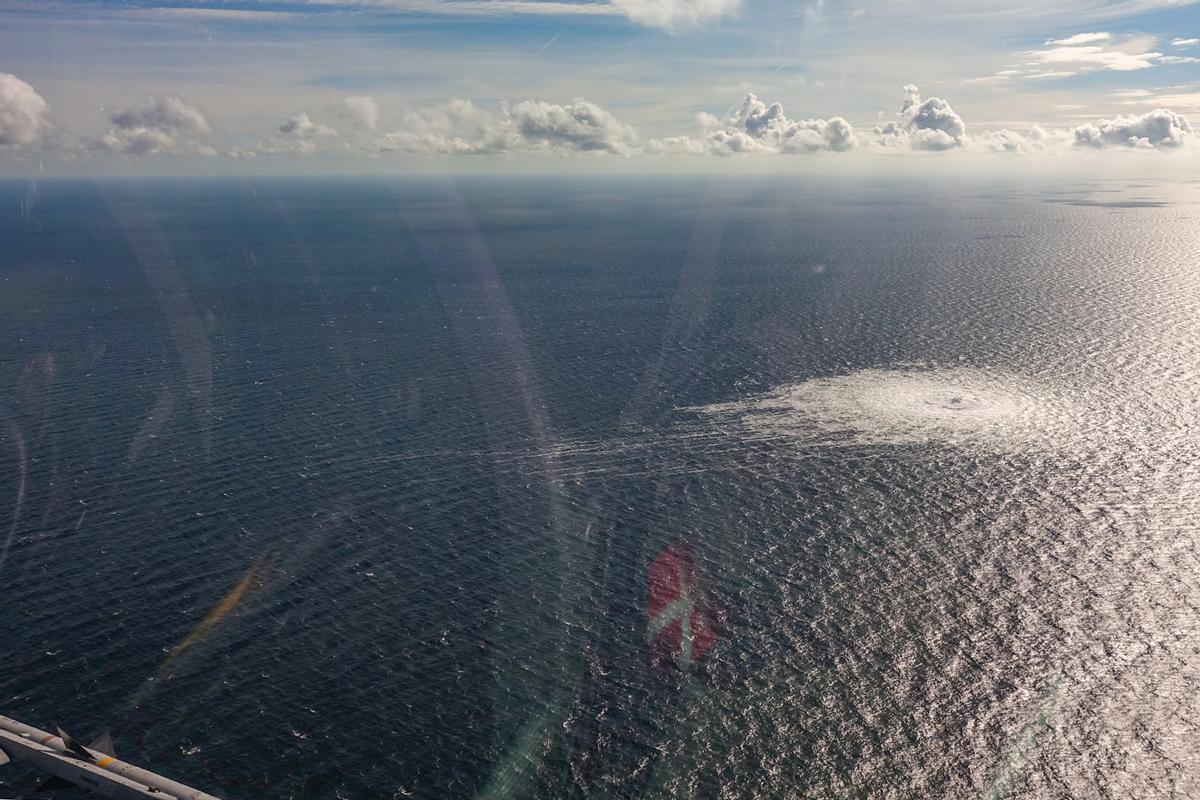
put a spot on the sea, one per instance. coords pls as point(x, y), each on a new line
point(364, 488)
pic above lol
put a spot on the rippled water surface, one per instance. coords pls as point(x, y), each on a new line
point(357, 489)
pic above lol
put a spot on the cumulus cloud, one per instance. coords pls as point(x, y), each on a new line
point(674, 146)
point(674, 14)
point(22, 113)
point(452, 127)
point(755, 127)
point(168, 125)
point(924, 125)
point(730, 141)
point(579, 125)
point(1161, 128)
point(159, 125)
point(300, 126)
point(298, 134)
point(362, 110)
point(460, 127)
point(1036, 140)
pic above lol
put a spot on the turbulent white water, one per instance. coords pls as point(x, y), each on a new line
point(908, 405)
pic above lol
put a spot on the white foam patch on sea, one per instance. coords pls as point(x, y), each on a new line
point(905, 405)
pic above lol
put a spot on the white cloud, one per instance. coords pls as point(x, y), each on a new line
point(22, 112)
point(1158, 129)
point(1038, 139)
point(988, 79)
point(1179, 60)
point(667, 14)
point(675, 146)
point(461, 8)
point(730, 141)
point(1097, 57)
point(298, 134)
point(1172, 99)
point(579, 125)
point(455, 126)
point(159, 125)
point(1161, 128)
point(675, 14)
point(460, 127)
point(755, 127)
point(1081, 38)
point(1006, 141)
point(362, 110)
point(168, 125)
point(206, 14)
point(1185, 42)
point(300, 126)
point(1087, 52)
point(1075, 11)
point(924, 125)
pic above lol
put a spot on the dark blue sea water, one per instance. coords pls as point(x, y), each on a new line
point(316, 489)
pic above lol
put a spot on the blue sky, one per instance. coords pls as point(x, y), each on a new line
point(141, 84)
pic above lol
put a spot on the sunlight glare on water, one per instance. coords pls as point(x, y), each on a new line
point(355, 490)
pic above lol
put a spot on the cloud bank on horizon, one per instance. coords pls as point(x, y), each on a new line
point(170, 126)
point(279, 80)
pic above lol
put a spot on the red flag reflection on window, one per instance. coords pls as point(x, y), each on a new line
point(677, 618)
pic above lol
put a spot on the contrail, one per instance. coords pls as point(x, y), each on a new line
point(551, 40)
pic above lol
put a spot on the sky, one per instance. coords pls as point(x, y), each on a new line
point(380, 86)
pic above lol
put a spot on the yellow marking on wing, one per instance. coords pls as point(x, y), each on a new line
point(104, 762)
